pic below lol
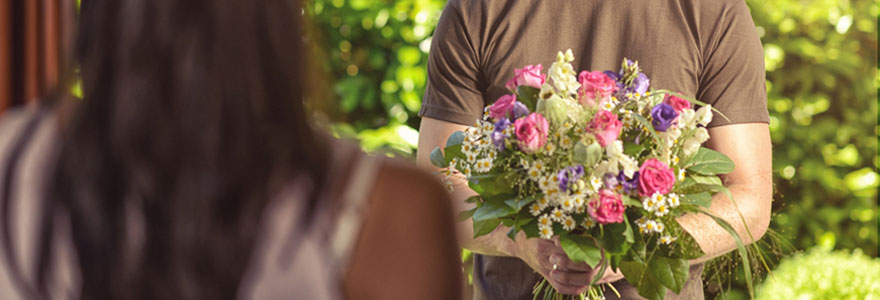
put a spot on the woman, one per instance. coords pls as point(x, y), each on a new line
point(188, 171)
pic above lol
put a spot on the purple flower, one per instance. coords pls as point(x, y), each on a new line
point(629, 184)
point(568, 176)
point(640, 84)
point(663, 115)
point(498, 135)
point(610, 181)
point(519, 110)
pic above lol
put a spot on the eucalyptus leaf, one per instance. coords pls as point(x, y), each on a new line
point(456, 138)
point(580, 249)
point(437, 158)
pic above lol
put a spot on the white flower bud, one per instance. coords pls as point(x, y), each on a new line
point(701, 134)
point(690, 146)
point(704, 115)
point(686, 119)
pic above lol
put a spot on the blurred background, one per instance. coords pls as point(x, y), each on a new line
point(822, 82)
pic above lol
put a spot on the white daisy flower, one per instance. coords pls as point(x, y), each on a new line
point(546, 232)
point(545, 220)
point(568, 204)
point(549, 148)
point(674, 200)
point(649, 204)
point(681, 174)
point(544, 201)
point(581, 209)
point(650, 226)
point(535, 209)
point(568, 223)
point(534, 174)
point(667, 239)
point(484, 165)
point(557, 215)
point(642, 224)
point(596, 183)
point(660, 227)
point(661, 209)
point(608, 105)
point(588, 223)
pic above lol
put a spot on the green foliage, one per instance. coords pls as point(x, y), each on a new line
point(375, 53)
point(822, 80)
point(821, 274)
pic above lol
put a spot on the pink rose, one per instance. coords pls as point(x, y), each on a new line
point(655, 177)
point(608, 208)
point(528, 76)
point(605, 126)
point(531, 132)
point(677, 103)
point(595, 86)
point(502, 107)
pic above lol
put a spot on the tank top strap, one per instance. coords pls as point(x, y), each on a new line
point(353, 208)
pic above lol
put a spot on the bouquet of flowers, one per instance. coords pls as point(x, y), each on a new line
point(598, 159)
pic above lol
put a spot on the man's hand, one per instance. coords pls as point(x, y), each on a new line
point(548, 259)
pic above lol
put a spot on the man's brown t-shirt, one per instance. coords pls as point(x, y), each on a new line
point(706, 49)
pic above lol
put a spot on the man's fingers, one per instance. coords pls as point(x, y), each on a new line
point(563, 263)
point(572, 281)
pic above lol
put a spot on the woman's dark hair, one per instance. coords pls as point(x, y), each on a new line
point(192, 118)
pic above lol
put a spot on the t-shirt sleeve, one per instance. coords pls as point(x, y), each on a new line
point(733, 78)
point(452, 91)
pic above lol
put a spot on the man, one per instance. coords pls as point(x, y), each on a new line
point(706, 49)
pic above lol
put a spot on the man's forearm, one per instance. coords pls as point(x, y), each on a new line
point(715, 240)
point(496, 243)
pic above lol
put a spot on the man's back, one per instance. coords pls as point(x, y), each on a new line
point(706, 49)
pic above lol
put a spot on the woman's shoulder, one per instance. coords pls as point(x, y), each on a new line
point(408, 237)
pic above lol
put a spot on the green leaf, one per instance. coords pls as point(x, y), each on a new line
point(528, 96)
point(629, 201)
point(493, 209)
point(670, 272)
point(437, 158)
point(741, 249)
point(482, 228)
point(452, 152)
point(519, 202)
point(703, 199)
point(644, 122)
point(697, 188)
point(462, 216)
point(580, 249)
point(531, 229)
point(645, 282)
point(705, 179)
point(709, 162)
point(615, 238)
point(456, 138)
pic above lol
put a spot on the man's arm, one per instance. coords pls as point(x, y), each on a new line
point(433, 133)
point(750, 184)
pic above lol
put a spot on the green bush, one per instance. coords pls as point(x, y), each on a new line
point(821, 274)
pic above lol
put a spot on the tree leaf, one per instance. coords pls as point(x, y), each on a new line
point(437, 158)
point(645, 282)
point(670, 272)
point(482, 228)
point(709, 162)
point(580, 249)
